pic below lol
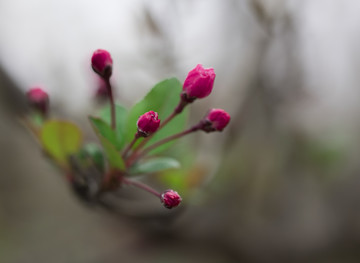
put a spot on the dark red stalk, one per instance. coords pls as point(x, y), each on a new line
point(112, 104)
point(141, 186)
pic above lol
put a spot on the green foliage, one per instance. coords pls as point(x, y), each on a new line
point(117, 138)
point(162, 98)
point(60, 139)
point(189, 175)
point(114, 158)
point(112, 154)
point(92, 152)
point(105, 130)
point(155, 165)
point(176, 179)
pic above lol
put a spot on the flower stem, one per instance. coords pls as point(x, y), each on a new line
point(137, 156)
point(112, 104)
point(128, 148)
point(141, 186)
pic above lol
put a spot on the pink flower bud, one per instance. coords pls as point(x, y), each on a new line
point(148, 123)
point(102, 63)
point(216, 120)
point(199, 83)
point(170, 199)
point(38, 99)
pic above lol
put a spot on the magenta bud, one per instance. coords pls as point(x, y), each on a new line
point(198, 83)
point(170, 198)
point(38, 99)
point(216, 120)
point(102, 63)
point(148, 123)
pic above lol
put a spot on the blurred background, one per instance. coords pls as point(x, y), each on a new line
point(280, 184)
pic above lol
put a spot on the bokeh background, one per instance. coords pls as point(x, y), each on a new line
point(280, 184)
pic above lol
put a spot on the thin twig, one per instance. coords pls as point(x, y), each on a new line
point(112, 104)
point(134, 158)
point(141, 186)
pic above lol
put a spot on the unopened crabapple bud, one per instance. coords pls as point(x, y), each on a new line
point(102, 63)
point(38, 99)
point(170, 198)
point(148, 123)
point(216, 120)
point(198, 83)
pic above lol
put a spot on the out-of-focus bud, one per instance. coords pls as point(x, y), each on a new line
point(102, 63)
point(198, 83)
point(102, 92)
point(216, 120)
point(148, 123)
point(38, 99)
point(170, 199)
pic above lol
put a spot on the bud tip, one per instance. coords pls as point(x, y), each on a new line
point(148, 123)
point(199, 83)
point(102, 63)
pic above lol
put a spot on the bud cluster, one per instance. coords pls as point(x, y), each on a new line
point(198, 84)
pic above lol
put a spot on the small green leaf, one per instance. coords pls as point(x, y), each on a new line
point(155, 165)
point(114, 158)
point(112, 154)
point(120, 119)
point(105, 130)
point(60, 139)
point(162, 98)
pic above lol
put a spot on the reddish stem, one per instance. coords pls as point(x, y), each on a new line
point(128, 148)
point(141, 186)
point(137, 156)
point(112, 104)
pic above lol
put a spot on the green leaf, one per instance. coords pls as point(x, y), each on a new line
point(105, 130)
point(162, 98)
point(114, 158)
point(155, 165)
point(112, 154)
point(120, 119)
point(191, 174)
point(60, 139)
